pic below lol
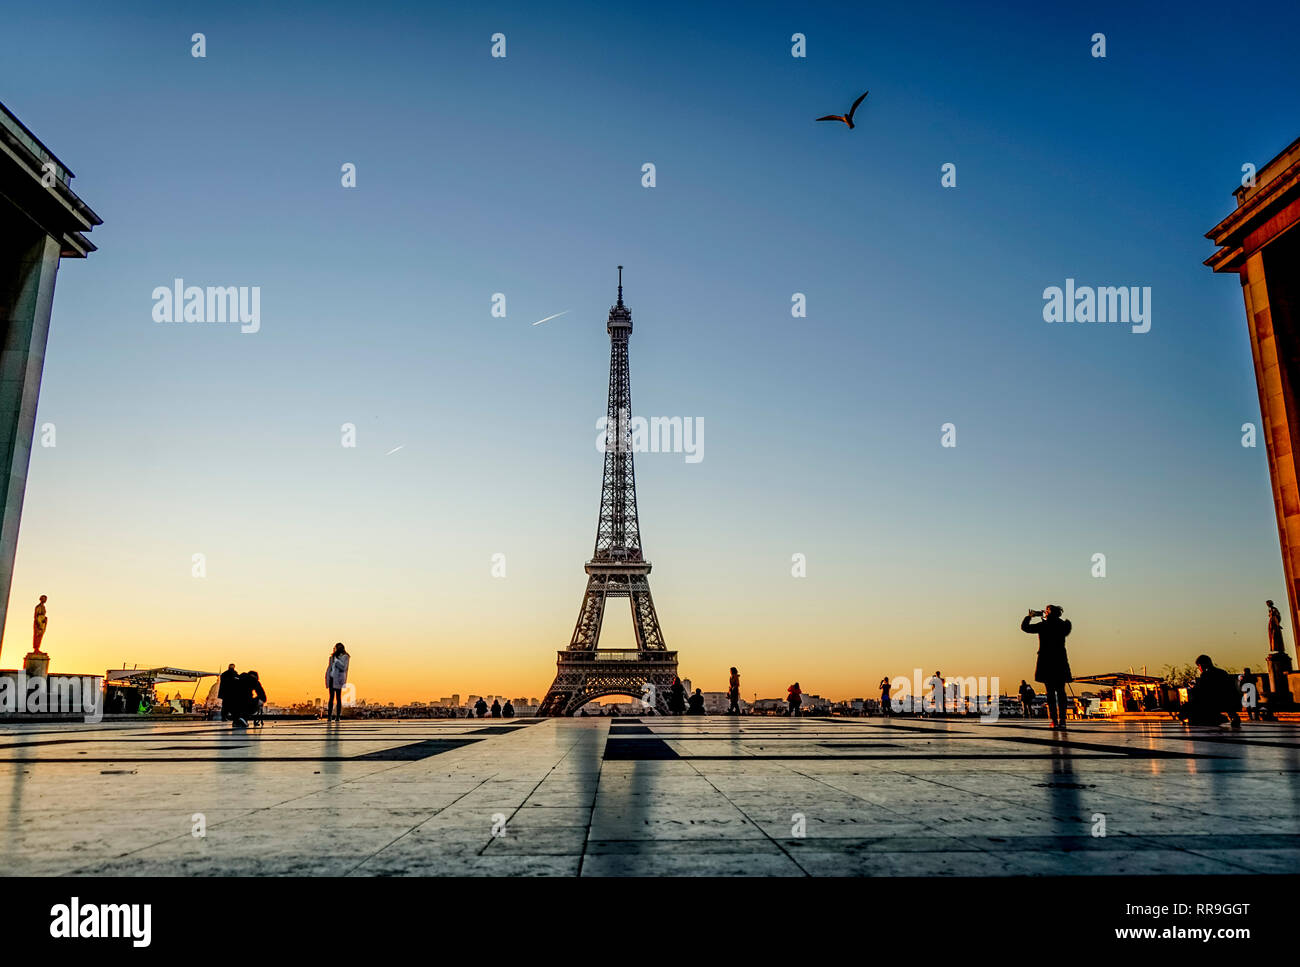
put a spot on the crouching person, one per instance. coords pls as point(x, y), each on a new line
point(250, 696)
point(1213, 698)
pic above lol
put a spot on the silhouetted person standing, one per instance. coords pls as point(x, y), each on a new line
point(677, 697)
point(226, 692)
point(1275, 640)
point(496, 708)
point(936, 688)
point(733, 692)
point(1249, 685)
point(885, 707)
point(1027, 696)
point(336, 677)
point(794, 697)
point(1053, 666)
point(480, 708)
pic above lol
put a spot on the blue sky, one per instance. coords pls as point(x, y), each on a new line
point(522, 175)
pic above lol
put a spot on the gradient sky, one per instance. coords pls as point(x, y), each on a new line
point(822, 435)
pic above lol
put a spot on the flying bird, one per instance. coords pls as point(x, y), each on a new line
point(549, 318)
point(394, 450)
point(849, 118)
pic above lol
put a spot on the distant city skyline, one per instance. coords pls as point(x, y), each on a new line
point(446, 546)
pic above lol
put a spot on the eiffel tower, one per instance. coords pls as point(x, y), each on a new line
point(617, 569)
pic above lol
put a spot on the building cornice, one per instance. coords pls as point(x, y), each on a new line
point(1263, 213)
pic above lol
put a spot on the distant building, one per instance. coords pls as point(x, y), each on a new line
point(717, 703)
point(1010, 705)
point(814, 703)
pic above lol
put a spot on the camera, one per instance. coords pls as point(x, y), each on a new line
point(1035, 614)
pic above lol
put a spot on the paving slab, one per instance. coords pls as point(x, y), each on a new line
point(709, 796)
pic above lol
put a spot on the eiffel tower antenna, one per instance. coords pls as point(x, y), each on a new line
point(617, 569)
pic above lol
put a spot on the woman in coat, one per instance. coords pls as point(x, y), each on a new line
point(677, 697)
point(336, 676)
point(1053, 668)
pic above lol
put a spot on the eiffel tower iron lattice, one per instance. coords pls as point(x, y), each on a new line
point(617, 569)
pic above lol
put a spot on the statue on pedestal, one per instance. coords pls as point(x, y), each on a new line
point(1275, 641)
point(1279, 662)
point(39, 621)
point(37, 662)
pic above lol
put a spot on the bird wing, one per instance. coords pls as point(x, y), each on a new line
point(832, 117)
point(857, 102)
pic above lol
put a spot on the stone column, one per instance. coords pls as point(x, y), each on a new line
point(1260, 241)
point(1277, 409)
point(29, 261)
point(41, 221)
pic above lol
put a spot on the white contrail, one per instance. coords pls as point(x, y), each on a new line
point(394, 450)
point(549, 318)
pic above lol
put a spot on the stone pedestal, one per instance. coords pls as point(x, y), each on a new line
point(1294, 682)
point(36, 663)
point(1279, 666)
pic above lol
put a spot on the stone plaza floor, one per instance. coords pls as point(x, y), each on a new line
point(649, 797)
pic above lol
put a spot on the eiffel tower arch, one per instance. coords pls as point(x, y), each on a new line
point(617, 569)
